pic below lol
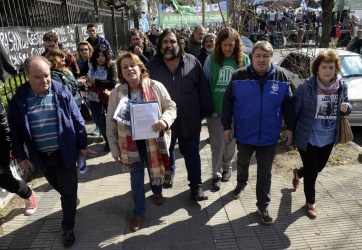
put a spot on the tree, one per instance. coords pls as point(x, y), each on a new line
point(327, 9)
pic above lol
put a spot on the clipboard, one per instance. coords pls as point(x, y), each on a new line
point(143, 115)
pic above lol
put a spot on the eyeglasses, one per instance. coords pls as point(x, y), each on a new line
point(83, 49)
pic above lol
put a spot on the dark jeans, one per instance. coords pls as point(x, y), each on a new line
point(64, 180)
point(189, 148)
point(12, 185)
point(314, 160)
point(264, 159)
point(98, 110)
point(138, 186)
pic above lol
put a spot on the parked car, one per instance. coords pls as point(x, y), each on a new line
point(297, 64)
point(248, 44)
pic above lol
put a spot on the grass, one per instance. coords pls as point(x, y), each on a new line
point(9, 87)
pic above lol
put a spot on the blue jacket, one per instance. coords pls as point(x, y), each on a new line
point(72, 133)
point(100, 40)
point(305, 105)
point(257, 112)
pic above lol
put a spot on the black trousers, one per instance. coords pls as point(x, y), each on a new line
point(64, 180)
point(314, 160)
point(8, 182)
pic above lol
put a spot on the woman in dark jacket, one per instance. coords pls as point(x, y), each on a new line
point(319, 103)
point(101, 74)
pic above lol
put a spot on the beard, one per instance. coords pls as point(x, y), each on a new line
point(172, 55)
point(210, 49)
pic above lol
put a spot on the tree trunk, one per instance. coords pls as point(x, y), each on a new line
point(327, 8)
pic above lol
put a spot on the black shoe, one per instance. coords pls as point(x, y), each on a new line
point(226, 175)
point(216, 184)
point(169, 179)
point(106, 148)
point(197, 194)
point(265, 217)
point(238, 190)
point(68, 238)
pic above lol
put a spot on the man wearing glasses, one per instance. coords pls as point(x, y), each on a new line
point(50, 40)
point(96, 40)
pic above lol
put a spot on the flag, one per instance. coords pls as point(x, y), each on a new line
point(303, 5)
point(184, 10)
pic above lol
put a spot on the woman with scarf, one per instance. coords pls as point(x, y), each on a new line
point(319, 104)
point(101, 75)
point(134, 155)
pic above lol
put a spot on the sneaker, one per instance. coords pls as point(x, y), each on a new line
point(96, 131)
point(265, 217)
point(83, 169)
point(216, 184)
point(68, 238)
point(106, 148)
point(158, 199)
point(91, 152)
point(226, 175)
point(30, 205)
point(169, 177)
point(136, 223)
point(238, 190)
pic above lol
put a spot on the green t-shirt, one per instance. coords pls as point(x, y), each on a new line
point(220, 78)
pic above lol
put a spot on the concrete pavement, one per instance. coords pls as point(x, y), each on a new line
point(105, 212)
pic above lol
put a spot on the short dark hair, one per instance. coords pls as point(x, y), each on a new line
point(50, 37)
point(136, 33)
point(91, 25)
point(101, 49)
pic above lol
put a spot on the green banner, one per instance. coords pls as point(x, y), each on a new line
point(176, 20)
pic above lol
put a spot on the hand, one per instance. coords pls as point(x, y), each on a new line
point(344, 107)
point(288, 137)
point(159, 126)
point(81, 81)
point(92, 81)
point(138, 50)
point(24, 164)
point(83, 152)
point(118, 159)
point(228, 135)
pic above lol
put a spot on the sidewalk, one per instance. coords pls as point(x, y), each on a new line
point(105, 212)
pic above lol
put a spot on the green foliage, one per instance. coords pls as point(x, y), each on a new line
point(10, 85)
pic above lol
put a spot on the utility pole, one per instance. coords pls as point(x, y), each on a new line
point(203, 12)
point(96, 11)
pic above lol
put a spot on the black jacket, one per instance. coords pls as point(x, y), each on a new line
point(4, 138)
point(147, 53)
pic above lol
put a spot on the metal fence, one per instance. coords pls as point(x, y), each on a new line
point(43, 13)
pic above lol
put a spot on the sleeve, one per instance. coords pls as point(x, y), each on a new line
point(227, 107)
point(206, 104)
point(85, 69)
point(111, 125)
point(246, 60)
point(345, 98)
point(288, 110)
point(4, 126)
point(106, 43)
point(73, 66)
point(168, 107)
point(111, 81)
point(206, 69)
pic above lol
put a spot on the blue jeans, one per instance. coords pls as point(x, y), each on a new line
point(98, 110)
point(138, 186)
point(189, 148)
point(264, 160)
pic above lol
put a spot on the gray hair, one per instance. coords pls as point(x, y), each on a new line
point(197, 28)
point(206, 36)
point(264, 45)
point(28, 62)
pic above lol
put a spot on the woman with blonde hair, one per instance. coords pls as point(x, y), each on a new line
point(319, 104)
point(134, 155)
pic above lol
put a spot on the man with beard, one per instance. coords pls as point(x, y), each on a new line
point(208, 46)
point(256, 99)
point(218, 68)
point(196, 40)
point(183, 78)
point(139, 47)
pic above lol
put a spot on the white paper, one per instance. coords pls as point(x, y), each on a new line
point(143, 116)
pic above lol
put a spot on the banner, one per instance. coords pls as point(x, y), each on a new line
point(19, 42)
point(168, 18)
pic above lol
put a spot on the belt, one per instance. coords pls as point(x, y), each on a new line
point(50, 153)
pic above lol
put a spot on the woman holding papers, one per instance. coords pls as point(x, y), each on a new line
point(134, 155)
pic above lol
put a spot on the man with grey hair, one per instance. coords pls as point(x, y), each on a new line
point(44, 115)
point(208, 46)
point(256, 99)
point(195, 40)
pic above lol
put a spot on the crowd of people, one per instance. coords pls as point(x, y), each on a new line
point(189, 78)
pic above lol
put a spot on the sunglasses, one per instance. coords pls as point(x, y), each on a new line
point(83, 49)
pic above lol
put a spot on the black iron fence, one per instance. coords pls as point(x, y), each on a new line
point(45, 15)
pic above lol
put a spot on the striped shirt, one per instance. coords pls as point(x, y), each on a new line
point(43, 120)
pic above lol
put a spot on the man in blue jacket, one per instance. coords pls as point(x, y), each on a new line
point(96, 40)
point(44, 115)
point(256, 99)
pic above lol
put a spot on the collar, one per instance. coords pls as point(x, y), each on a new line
point(32, 94)
point(267, 74)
